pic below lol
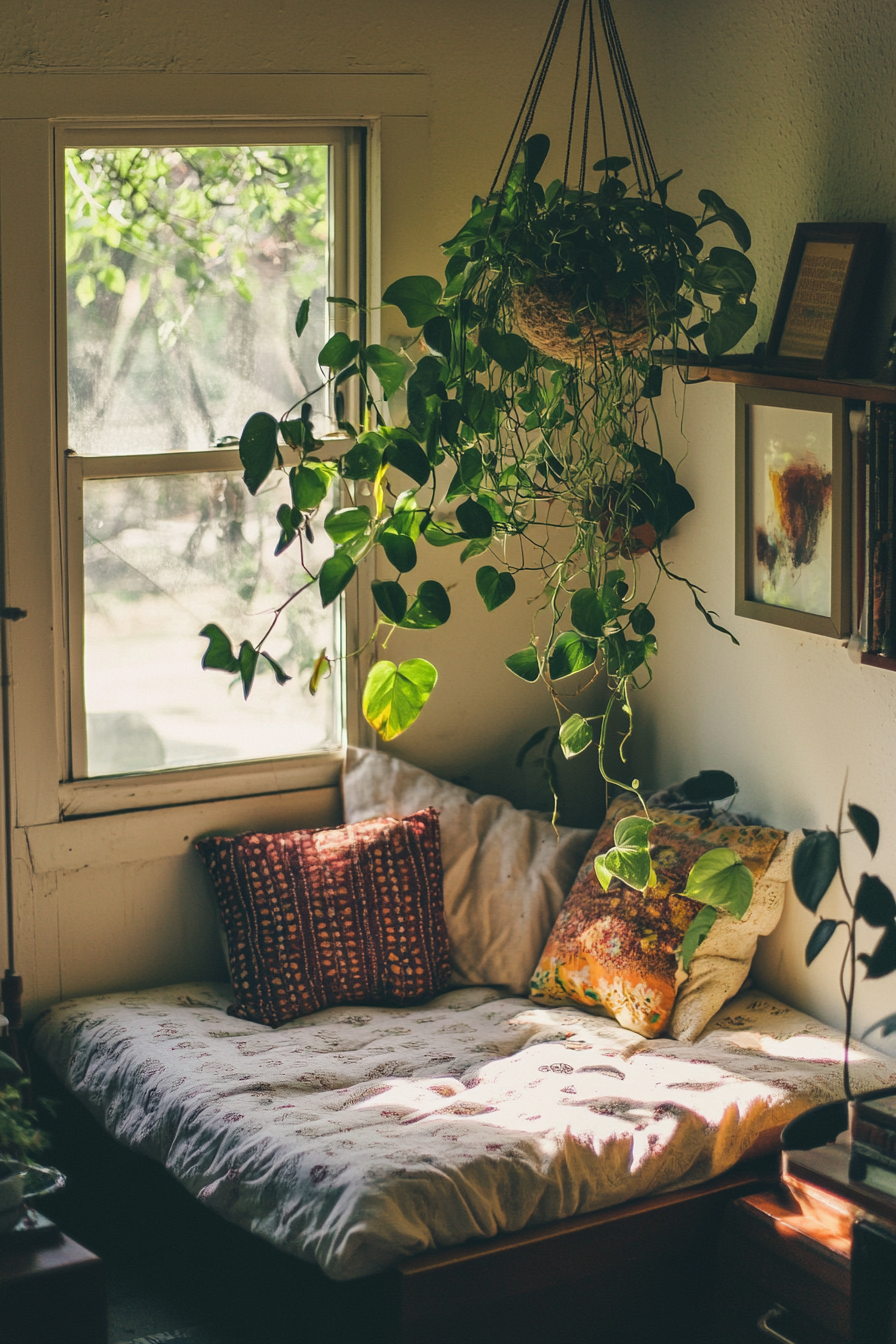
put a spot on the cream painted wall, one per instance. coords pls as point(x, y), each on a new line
point(91, 916)
point(787, 110)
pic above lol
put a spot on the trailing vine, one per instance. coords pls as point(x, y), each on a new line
point(544, 435)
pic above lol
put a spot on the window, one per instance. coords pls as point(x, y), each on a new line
point(185, 259)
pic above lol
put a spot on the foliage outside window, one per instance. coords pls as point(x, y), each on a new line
point(184, 267)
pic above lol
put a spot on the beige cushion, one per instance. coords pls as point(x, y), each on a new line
point(721, 964)
point(506, 872)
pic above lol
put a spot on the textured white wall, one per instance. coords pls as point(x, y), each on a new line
point(787, 111)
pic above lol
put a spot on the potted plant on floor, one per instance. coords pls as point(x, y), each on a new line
point(20, 1140)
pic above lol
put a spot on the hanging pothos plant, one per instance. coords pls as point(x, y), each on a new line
point(531, 386)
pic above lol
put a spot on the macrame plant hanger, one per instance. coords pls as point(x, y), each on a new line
point(587, 83)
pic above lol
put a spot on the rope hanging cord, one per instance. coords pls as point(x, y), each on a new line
point(640, 153)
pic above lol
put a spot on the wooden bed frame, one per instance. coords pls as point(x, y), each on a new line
point(638, 1271)
point(641, 1264)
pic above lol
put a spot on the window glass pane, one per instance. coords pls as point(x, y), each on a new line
point(164, 556)
point(185, 268)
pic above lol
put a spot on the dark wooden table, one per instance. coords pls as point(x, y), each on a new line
point(52, 1293)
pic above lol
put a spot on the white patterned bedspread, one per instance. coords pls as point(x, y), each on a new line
point(359, 1136)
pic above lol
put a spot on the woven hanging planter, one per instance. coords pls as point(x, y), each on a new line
point(544, 311)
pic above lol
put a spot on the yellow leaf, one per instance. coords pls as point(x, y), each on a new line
point(321, 668)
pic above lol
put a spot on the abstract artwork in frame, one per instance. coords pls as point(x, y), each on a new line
point(792, 564)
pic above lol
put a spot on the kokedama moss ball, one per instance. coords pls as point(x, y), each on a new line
point(544, 310)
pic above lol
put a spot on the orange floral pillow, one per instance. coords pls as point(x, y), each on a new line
point(616, 951)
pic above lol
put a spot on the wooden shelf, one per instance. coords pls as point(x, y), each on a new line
point(749, 376)
point(878, 660)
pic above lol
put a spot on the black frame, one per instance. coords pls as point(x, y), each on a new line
point(837, 623)
point(843, 352)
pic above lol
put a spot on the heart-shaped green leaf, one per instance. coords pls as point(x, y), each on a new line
point(641, 619)
point(575, 736)
point(394, 696)
point(416, 297)
point(494, 586)
point(727, 216)
point(388, 367)
point(535, 151)
point(338, 352)
point(362, 462)
point(344, 524)
point(391, 599)
point(309, 484)
point(728, 324)
point(815, 863)
point(629, 859)
point(721, 878)
point(335, 574)
point(571, 653)
point(524, 664)
point(587, 613)
point(219, 653)
point(400, 550)
point(430, 608)
point(505, 348)
point(475, 520)
point(258, 449)
point(406, 454)
point(437, 337)
point(439, 534)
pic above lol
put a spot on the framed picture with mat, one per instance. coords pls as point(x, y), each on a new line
point(815, 331)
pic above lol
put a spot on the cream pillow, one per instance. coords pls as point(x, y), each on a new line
point(721, 964)
point(506, 872)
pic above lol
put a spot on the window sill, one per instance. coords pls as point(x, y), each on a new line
point(170, 788)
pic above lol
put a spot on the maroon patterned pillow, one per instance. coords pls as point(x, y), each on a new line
point(349, 914)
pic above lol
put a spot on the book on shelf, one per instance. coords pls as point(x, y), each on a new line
point(865, 1171)
point(869, 1152)
point(874, 483)
point(877, 1138)
point(879, 1111)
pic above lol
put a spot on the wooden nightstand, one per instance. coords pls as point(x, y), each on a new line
point(52, 1293)
point(783, 1269)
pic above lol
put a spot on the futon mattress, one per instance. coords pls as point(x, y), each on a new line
point(359, 1136)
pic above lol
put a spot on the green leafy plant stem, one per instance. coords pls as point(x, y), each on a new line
point(544, 421)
